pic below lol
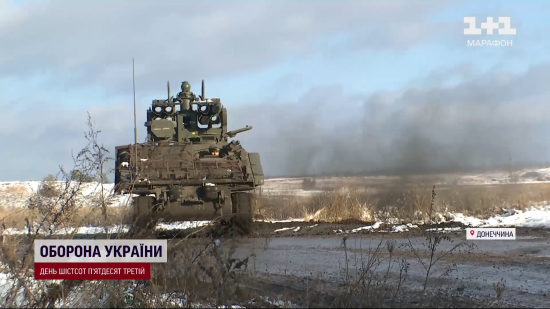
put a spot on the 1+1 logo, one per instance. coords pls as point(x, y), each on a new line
point(489, 26)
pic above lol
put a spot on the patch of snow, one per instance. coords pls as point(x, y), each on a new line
point(446, 229)
point(403, 228)
point(16, 194)
point(181, 225)
point(524, 176)
point(291, 192)
point(280, 221)
point(294, 229)
point(370, 227)
point(7, 283)
point(281, 303)
point(283, 229)
point(85, 230)
point(532, 217)
point(466, 220)
point(91, 230)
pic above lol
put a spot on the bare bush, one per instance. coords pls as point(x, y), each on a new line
point(92, 161)
point(378, 279)
point(48, 187)
point(369, 284)
point(434, 238)
point(202, 271)
point(47, 214)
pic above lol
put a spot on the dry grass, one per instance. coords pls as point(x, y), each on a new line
point(204, 272)
point(201, 272)
point(406, 202)
point(15, 190)
point(83, 216)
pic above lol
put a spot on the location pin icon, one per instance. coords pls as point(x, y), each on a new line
point(472, 232)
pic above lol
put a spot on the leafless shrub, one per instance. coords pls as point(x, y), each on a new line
point(49, 214)
point(202, 271)
point(369, 284)
point(92, 161)
point(434, 238)
point(378, 279)
point(48, 187)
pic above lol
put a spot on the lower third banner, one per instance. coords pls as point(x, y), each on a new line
point(92, 271)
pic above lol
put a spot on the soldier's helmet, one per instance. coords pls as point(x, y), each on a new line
point(124, 156)
point(185, 87)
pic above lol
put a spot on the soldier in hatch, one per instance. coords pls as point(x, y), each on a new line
point(124, 156)
point(125, 168)
point(214, 150)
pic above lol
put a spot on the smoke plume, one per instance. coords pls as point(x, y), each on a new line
point(487, 121)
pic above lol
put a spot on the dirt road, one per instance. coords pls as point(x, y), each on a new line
point(471, 274)
point(478, 265)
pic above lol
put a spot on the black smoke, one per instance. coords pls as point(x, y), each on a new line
point(492, 121)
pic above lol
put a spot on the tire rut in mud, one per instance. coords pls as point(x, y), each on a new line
point(260, 229)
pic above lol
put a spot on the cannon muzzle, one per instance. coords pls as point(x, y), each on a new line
point(235, 132)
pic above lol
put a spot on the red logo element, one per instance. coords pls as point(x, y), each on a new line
point(472, 232)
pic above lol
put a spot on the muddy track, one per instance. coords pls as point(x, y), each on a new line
point(263, 229)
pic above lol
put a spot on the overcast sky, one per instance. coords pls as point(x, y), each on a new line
point(329, 86)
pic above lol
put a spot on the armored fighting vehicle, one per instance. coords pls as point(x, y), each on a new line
point(188, 169)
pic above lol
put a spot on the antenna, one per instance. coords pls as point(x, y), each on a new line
point(169, 97)
point(203, 91)
point(135, 114)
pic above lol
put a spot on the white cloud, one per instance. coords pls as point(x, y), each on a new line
point(93, 41)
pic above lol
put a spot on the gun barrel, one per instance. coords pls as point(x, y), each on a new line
point(235, 132)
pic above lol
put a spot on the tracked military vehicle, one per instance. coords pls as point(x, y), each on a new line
point(188, 169)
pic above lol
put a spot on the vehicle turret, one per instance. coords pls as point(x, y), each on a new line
point(188, 118)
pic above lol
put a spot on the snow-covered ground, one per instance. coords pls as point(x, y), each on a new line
point(90, 230)
point(293, 186)
point(534, 217)
point(523, 176)
point(15, 194)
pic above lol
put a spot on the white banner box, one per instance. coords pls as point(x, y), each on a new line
point(491, 233)
point(100, 251)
